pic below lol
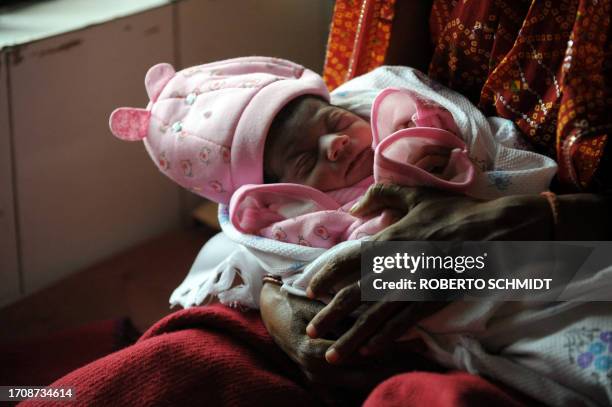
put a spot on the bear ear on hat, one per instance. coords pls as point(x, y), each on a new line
point(128, 123)
point(157, 77)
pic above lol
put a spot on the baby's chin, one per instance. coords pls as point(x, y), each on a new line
point(362, 170)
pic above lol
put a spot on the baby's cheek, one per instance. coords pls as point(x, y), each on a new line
point(363, 133)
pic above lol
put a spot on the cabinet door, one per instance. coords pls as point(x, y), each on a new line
point(83, 195)
point(9, 266)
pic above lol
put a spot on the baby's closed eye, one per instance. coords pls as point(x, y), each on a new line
point(305, 163)
point(338, 120)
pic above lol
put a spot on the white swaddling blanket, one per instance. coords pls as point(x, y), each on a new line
point(538, 348)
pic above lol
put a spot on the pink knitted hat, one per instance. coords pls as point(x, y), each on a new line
point(205, 126)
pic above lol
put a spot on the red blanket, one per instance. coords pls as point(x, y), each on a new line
point(218, 356)
point(40, 360)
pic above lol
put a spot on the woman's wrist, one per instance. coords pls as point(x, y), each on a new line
point(520, 217)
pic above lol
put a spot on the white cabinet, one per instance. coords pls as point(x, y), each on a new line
point(82, 195)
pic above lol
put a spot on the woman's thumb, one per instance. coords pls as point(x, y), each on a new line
point(378, 197)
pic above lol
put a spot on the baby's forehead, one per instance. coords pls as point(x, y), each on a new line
point(298, 119)
point(308, 108)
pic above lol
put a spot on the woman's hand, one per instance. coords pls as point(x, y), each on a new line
point(286, 317)
point(374, 332)
point(427, 215)
point(434, 215)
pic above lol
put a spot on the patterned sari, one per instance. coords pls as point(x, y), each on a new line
point(546, 65)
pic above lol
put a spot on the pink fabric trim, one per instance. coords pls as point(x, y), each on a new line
point(393, 108)
point(411, 175)
point(255, 121)
point(407, 111)
point(275, 195)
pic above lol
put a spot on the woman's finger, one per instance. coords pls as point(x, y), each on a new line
point(365, 326)
point(391, 196)
point(344, 268)
point(343, 303)
point(379, 196)
point(399, 324)
point(309, 355)
point(310, 352)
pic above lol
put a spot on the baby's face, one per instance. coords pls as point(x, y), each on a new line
point(320, 145)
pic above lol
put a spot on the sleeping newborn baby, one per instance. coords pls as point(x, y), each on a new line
point(324, 157)
point(259, 134)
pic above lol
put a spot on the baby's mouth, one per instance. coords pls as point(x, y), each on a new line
point(354, 164)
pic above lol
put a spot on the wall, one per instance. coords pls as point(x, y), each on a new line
point(9, 258)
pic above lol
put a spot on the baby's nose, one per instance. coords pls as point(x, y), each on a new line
point(336, 145)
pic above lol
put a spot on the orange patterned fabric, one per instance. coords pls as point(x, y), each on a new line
point(358, 39)
point(543, 64)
